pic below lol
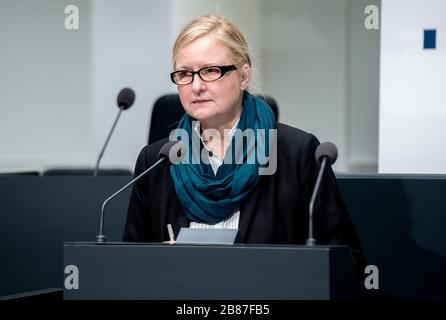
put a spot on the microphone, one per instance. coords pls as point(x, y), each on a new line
point(125, 100)
point(326, 153)
point(172, 151)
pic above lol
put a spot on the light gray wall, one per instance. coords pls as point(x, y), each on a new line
point(322, 66)
point(129, 48)
point(58, 87)
point(363, 115)
point(305, 47)
point(44, 86)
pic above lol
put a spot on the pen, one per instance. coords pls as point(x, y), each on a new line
point(170, 231)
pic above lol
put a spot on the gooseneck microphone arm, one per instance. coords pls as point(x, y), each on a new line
point(125, 99)
point(311, 241)
point(172, 152)
point(326, 154)
point(100, 238)
point(96, 168)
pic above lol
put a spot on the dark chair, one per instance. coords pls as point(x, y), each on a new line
point(167, 112)
point(86, 172)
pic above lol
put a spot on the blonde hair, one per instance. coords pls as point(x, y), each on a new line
point(223, 30)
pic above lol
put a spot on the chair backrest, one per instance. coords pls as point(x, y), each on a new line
point(167, 112)
point(85, 172)
point(21, 173)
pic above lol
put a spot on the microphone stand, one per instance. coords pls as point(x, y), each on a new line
point(96, 168)
point(100, 238)
point(311, 241)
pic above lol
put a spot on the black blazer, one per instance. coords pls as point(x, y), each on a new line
point(276, 212)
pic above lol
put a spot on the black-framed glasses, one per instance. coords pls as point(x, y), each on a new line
point(211, 73)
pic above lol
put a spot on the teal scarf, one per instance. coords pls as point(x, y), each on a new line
point(210, 198)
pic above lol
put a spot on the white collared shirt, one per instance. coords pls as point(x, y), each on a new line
point(215, 161)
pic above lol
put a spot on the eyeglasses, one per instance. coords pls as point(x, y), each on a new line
point(212, 73)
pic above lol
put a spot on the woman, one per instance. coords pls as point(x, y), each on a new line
point(212, 69)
